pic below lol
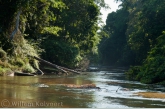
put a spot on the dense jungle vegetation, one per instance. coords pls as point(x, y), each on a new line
point(134, 36)
point(60, 31)
point(66, 32)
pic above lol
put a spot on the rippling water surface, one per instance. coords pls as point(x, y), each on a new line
point(47, 91)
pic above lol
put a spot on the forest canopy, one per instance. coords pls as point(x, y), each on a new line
point(134, 36)
point(66, 32)
point(61, 31)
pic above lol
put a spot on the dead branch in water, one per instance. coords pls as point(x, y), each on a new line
point(117, 89)
point(63, 69)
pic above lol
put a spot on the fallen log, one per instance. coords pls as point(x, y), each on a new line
point(53, 65)
point(63, 69)
point(70, 70)
point(23, 74)
point(40, 71)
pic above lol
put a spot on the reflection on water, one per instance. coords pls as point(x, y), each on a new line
point(16, 88)
point(46, 91)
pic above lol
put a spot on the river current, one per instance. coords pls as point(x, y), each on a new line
point(47, 91)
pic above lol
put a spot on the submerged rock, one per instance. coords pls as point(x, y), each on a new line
point(39, 85)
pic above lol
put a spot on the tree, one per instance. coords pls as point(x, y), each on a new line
point(113, 47)
point(144, 31)
point(152, 69)
point(78, 23)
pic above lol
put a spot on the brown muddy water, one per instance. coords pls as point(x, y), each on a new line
point(47, 91)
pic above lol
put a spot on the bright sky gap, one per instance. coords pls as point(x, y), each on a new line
point(113, 7)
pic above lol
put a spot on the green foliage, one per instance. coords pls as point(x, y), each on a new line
point(3, 55)
point(72, 35)
point(136, 39)
point(79, 23)
point(5, 64)
point(111, 48)
point(66, 30)
point(51, 30)
point(19, 62)
point(145, 26)
point(143, 31)
point(60, 52)
point(152, 70)
point(28, 68)
point(133, 72)
point(153, 67)
point(3, 70)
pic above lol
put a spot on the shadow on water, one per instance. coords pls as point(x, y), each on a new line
point(47, 91)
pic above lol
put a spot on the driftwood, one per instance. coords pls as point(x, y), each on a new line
point(39, 70)
point(53, 65)
point(74, 71)
point(63, 69)
point(85, 86)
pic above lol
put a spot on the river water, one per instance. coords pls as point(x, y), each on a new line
point(47, 91)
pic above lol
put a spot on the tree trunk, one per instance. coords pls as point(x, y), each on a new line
point(16, 26)
point(63, 69)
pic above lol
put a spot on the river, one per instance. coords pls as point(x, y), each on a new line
point(46, 91)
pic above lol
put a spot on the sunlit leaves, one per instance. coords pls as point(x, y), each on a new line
point(57, 4)
point(73, 23)
point(51, 30)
